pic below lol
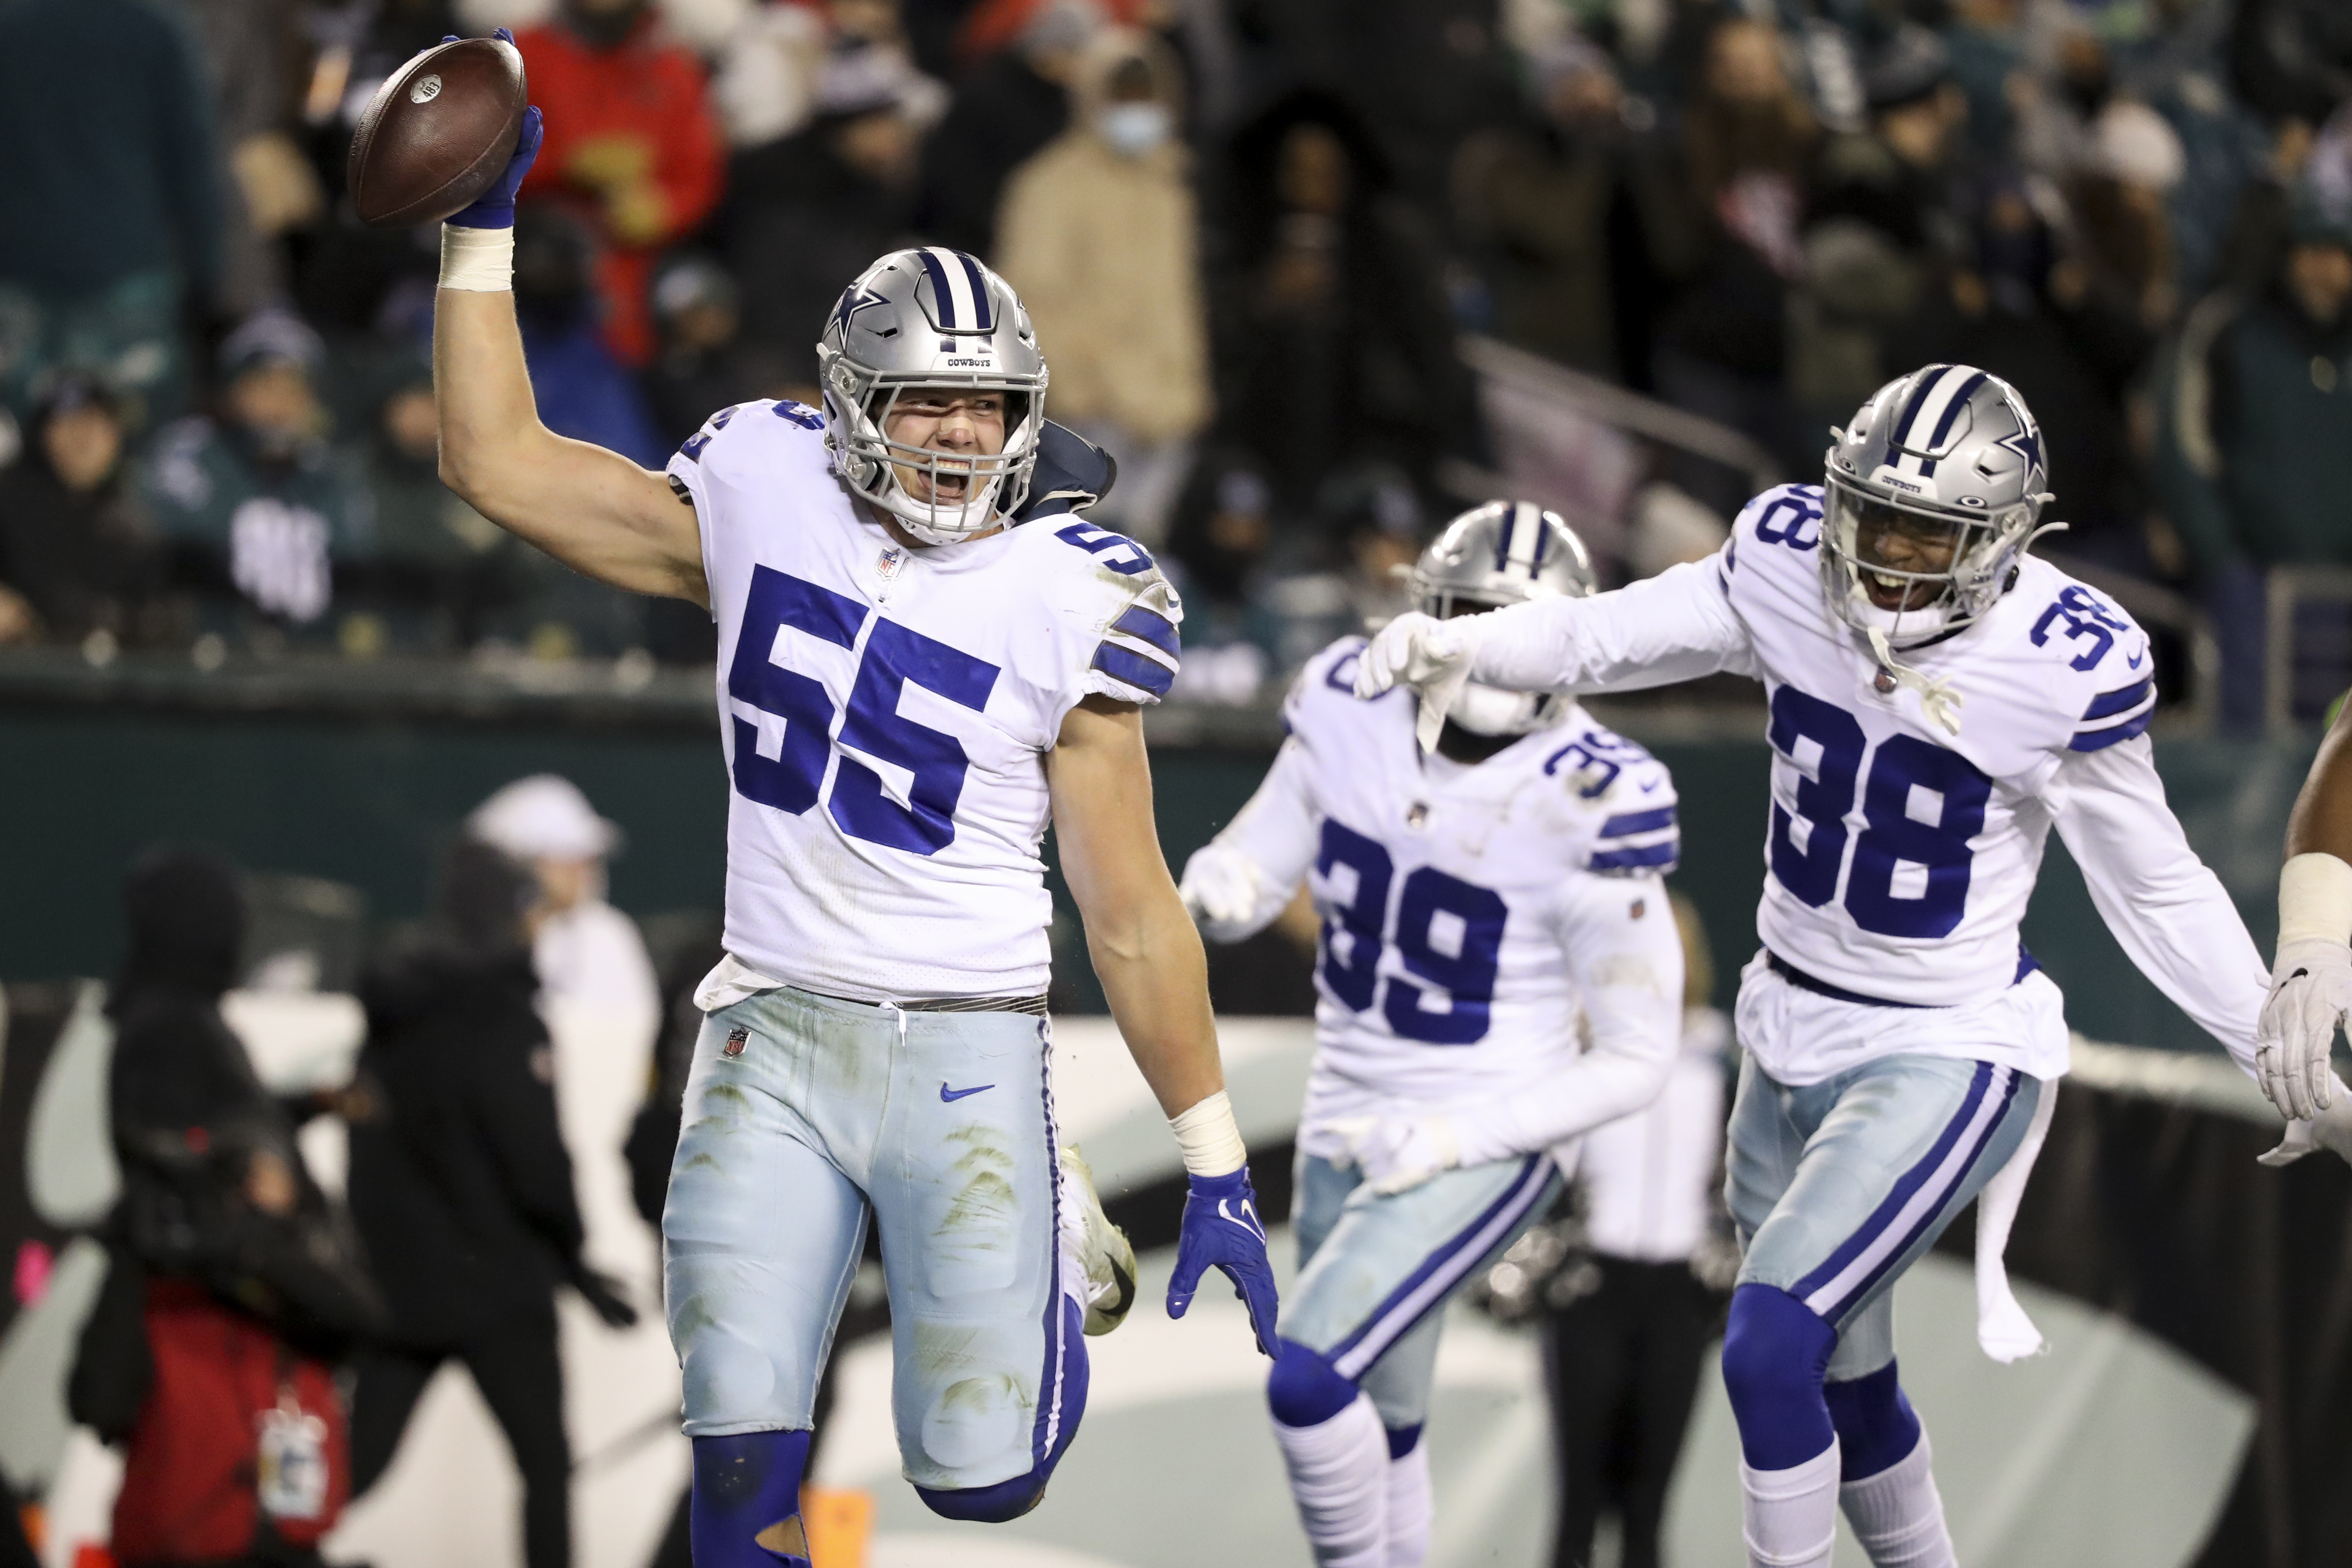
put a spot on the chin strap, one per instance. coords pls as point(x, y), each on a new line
point(1938, 700)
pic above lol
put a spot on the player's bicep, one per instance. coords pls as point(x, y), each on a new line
point(1101, 783)
point(602, 516)
point(1626, 957)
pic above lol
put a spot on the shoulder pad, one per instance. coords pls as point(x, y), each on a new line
point(1141, 649)
point(1328, 673)
point(1631, 794)
point(2104, 674)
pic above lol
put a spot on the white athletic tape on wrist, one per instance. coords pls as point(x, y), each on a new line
point(2314, 899)
point(480, 260)
point(1210, 1137)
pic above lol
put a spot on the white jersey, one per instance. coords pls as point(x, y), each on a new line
point(1899, 856)
point(1477, 920)
point(886, 714)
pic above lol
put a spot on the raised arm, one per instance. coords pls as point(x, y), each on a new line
point(1240, 880)
point(592, 509)
point(1675, 626)
point(1149, 958)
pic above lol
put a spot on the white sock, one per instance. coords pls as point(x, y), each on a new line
point(1791, 1516)
point(1340, 1476)
point(1897, 1515)
point(1409, 1507)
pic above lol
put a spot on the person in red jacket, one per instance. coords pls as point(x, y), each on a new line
point(632, 145)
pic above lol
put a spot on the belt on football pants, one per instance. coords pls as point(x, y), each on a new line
point(1033, 1006)
point(2026, 965)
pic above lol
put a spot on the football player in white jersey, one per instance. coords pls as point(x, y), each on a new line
point(1484, 902)
point(1939, 699)
point(922, 658)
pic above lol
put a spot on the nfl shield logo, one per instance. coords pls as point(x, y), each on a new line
point(737, 1039)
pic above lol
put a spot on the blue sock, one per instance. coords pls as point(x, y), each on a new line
point(743, 1484)
point(1876, 1426)
point(1305, 1389)
point(1402, 1438)
point(1776, 1353)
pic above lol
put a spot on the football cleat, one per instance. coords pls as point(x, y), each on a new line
point(1100, 1248)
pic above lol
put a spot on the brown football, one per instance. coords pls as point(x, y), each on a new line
point(437, 132)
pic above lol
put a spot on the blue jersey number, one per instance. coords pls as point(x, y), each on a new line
point(1447, 933)
point(895, 657)
point(1922, 806)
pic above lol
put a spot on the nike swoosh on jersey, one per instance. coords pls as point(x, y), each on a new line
point(2133, 661)
point(949, 1096)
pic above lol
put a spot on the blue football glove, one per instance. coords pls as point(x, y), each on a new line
point(1221, 1231)
point(494, 208)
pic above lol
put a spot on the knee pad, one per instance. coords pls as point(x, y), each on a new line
point(1305, 1389)
point(1876, 1427)
point(746, 1511)
point(1776, 1353)
point(1003, 1501)
point(991, 1505)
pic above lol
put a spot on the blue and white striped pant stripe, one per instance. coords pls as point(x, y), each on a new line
point(1837, 1186)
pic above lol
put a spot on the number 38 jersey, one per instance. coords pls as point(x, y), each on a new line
point(886, 712)
point(1901, 855)
point(1477, 919)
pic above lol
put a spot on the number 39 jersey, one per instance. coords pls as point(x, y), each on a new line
point(1474, 917)
point(886, 712)
point(1901, 855)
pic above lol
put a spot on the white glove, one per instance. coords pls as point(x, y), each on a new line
point(1222, 886)
point(1397, 1154)
point(1431, 656)
point(2311, 989)
point(2331, 1130)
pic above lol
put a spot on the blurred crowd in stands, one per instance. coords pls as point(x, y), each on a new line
point(1255, 235)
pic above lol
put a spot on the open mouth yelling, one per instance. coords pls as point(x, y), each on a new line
point(1897, 593)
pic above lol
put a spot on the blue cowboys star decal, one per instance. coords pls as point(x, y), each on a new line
point(2027, 445)
point(854, 299)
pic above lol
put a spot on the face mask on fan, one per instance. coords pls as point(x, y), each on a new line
point(1134, 130)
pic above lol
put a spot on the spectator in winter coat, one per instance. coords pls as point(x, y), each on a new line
point(807, 214)
point(1551, 204)
point(461, 1188)
point(77, 557)
point(254, 505)
point(110, 195)
point(2255, 456)
point(1100, 222)
point(232, 1282)
point(1009, 107)
point(632, 147)
point(1333, 341)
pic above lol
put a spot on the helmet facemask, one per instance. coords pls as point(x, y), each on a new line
point(1490, 557)
point(1910, 572)
point(939, 496)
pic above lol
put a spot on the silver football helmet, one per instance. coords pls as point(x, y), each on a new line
point(1504, 553)
point(1933, 494)
point(930, 317)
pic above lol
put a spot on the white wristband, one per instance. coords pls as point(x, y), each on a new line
point(480, 260)
point(1210, 1138)
point(2314, 899)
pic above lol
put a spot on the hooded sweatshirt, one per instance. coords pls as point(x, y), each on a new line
point(459, 1181)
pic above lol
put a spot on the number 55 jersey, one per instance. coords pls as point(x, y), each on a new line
point(1909, 805)
point(1481, 923)
point(886, 712)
